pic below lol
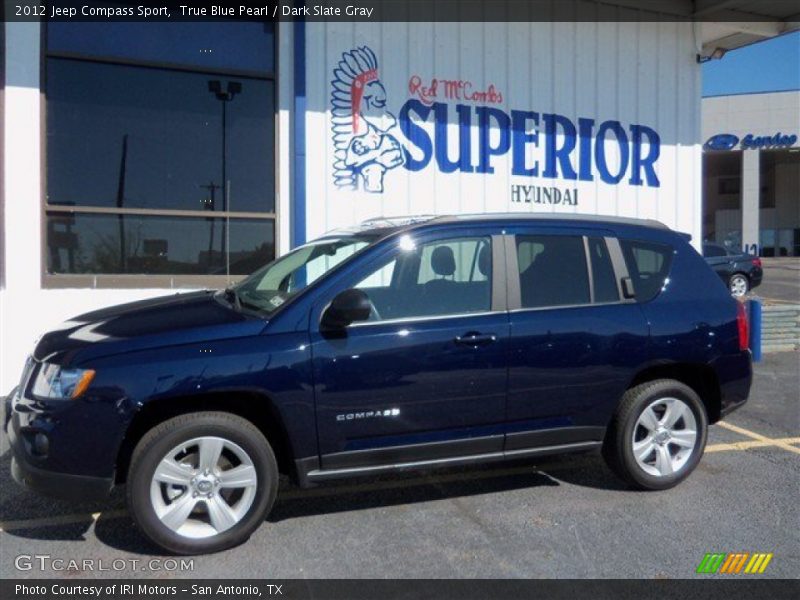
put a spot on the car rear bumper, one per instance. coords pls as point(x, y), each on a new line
point(756, 275)
point(735, 373)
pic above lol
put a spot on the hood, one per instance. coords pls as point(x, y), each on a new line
point(158, 322)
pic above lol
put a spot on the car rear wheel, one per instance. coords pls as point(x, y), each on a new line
point(657, 435)
point(739, 285)
point(201, 482)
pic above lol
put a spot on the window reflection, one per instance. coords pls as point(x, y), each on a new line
point(159, 125)
point(134, 137)
point(133, 244)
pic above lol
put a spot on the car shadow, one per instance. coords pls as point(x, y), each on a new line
point(19, 506)
point(399, 490)
point(115, 528)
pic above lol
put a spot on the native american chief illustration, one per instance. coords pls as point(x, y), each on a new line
point(364, 132)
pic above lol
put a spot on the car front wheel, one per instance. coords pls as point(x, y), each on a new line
point(201, 482)
point(657, 435)
point(739, 285)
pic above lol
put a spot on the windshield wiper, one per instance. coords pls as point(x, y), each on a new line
point(238, 303)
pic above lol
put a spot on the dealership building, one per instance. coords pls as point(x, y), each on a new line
point(751, 172)
point(142, 159)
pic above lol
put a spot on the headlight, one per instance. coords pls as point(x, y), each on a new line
point(54, 382)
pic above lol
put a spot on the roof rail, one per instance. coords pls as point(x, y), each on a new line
point(398, 221)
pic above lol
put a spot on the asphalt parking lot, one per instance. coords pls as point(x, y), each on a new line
point(781, 284)
point(566, 517)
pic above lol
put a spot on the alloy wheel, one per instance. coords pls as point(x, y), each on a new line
point(203, 487)
point(664, 437)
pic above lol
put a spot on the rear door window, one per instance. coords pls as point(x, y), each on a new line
point(648, 266)
point(552, 271)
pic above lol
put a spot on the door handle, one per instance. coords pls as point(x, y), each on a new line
point(475, 339)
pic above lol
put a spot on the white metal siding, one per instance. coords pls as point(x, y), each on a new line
point(635, 73)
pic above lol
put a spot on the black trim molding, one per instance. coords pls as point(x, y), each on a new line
point(343, 465)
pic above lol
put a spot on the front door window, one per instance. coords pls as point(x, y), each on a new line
point(445, 277)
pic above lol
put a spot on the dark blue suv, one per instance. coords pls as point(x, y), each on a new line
point(399, 344)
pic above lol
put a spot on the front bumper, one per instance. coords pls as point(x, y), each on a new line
point(59, 485)
point(29, 470)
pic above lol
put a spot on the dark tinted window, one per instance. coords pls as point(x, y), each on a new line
point(552, 270)
point(603, 278)
point(137, 244)
point(210, 45)
point(170, 128)
point(648, 265)
point(713, 251)
point(134, 137)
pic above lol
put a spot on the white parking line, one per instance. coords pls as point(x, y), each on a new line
point(762, 438)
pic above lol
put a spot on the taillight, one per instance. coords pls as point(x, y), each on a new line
point(743, 326)
point(757, 262)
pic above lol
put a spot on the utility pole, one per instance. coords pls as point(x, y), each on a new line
point(123, 163)
point(209, 204)
point(232, 89)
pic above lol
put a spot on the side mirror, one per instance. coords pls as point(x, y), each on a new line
point(628, 291)
point(349, 306)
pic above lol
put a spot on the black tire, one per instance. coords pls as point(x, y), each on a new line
point(160, 440)
point(618, 444)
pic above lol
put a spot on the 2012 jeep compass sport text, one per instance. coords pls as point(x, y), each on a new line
point(398, 344)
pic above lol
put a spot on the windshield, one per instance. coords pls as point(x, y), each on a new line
point(272, 285)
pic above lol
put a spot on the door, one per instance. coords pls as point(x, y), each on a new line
point(574, 339)
point(425, 377)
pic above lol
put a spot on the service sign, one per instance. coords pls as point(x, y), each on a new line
point(729, 141)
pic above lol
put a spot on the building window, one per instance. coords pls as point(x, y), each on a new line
point(160, 151)
point(729, 186)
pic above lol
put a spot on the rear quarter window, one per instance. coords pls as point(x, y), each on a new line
point(648, 266)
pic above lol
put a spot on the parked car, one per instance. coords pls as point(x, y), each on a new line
point(741, 272)
point(391, 346)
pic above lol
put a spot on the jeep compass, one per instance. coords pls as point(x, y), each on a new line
point(394, 345)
